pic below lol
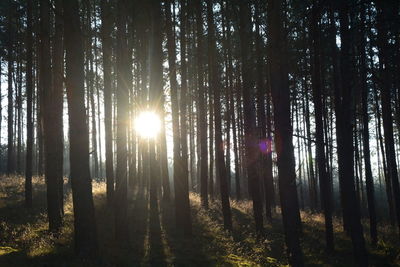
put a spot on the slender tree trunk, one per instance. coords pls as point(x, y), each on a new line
point(155, 93)
point(283, 134)
point(85, 233)
point(325, 188)
point(10, 117)
point(337, 106)
point(219, 148)
point(185, 212)
point(177, 164)
point(52, 123)
point(365, 134)
point(58, 79)
point(383, 10)
point(29, 98)
point(252, 153)
point(345, 143)
point(183, 99)
point(121, 187)
point(106, 27)
point(211, 182)
point(202, 115)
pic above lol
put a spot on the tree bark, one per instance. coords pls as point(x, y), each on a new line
point(215, 86)
point(85, 233)
point(106, 28)
point(365, 134)
point(121, 186)
point(325, 188)
point(345, 99)
point(10, 117)
point(52, 123)
point(29, 102)
point(283, 134)
point(252, 153)
point(382, 25)
point(202, 115)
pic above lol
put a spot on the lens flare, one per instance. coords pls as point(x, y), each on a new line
point(147, 124)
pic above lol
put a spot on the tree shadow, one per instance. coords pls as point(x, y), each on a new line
point(138, 218)
point(187, 251)
point(157, 255)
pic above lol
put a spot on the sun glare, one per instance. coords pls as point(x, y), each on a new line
point(147, 124)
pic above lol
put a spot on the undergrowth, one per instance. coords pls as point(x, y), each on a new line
point(155, 241)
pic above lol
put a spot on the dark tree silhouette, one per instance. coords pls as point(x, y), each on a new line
point(85, 233)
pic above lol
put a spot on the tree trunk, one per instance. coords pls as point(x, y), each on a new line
point(10, 117)
point(29, 98)
point(382, 25)
point(85, 232)
point(325, 188)
point(183, 98)
point(365, 134)
point(52, 123)
point(345, 100)
point(106, 27)
point(177, 164)
point(121, 187)
point(58, 79)
point(202, 115)
point(215, 86)
point(252, 153)
point(283, 134)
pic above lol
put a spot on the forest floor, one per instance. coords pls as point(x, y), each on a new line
point(154, 241)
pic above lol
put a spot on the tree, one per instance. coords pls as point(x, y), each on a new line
point(202, 113)
point(29, 103)
point(106, 28)
point(122, 92)
point(183, 217)
point(365, 133)
point(52, 99)
point(384, 62)
point(325, 188)
point(215, 86)
point(177, 164)
point(345, 102)
point(252, 153)
point(58, 99)
point(85, 233)
point(10, 117)
point(283, 133)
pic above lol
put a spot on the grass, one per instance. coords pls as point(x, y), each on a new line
point(155, 241)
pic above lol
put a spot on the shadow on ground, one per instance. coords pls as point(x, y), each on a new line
point(155, 239)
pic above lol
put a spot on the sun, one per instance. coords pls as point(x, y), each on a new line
point(147, 124)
